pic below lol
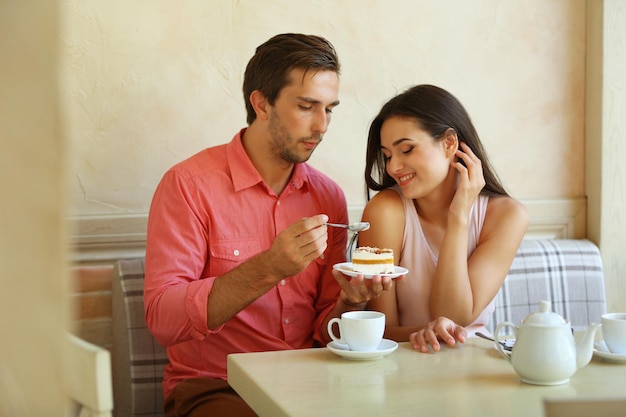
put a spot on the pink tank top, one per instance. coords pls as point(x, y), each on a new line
point(413, 291)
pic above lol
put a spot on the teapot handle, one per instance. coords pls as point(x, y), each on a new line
point(497, 344)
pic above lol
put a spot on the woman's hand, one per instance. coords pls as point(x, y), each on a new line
point(440, 329)
point(357, 291)
point(471, 180)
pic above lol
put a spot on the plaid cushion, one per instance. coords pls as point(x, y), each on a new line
point(566, 272)
point(138, 360)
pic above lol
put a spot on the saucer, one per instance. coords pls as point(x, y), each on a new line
point(346, 269)
point(601, 351)
point(384, 348)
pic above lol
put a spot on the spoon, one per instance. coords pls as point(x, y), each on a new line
point(353, 227)
point(507, 344)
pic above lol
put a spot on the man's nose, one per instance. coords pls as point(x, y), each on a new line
point(321, 121)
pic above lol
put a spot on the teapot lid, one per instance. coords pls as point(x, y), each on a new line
point(544, 317)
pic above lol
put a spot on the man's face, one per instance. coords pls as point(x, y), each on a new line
point(301, 114)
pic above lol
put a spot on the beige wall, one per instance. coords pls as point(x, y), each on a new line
point(33, 243)
point(147, 84)
point(605, 171)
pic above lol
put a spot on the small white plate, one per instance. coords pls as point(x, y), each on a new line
point(347, 269)
point(385, 347)
point(601, 351)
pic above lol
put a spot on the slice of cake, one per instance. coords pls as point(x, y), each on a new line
point(373, 261)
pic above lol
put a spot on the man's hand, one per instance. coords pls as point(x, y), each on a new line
point(295, 247)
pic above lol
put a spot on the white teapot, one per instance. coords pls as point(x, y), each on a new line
point(545, 352)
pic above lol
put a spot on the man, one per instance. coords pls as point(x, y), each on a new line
point(238, 256)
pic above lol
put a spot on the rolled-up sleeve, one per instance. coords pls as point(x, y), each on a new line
point(175, 293)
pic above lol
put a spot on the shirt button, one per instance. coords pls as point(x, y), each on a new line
point(286, 321)
point(322, 256)
point(278, 203)
point(236, 252)
point(283, 282)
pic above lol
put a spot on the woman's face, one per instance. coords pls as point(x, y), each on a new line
point(415, 160)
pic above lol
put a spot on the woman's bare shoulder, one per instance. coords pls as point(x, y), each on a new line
point(386, 202)
point(385, 213)
point(507, 206)
point(507, 212)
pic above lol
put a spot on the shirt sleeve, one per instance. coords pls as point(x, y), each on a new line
point(175, 296)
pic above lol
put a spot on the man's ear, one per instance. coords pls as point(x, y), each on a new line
point(260, 105)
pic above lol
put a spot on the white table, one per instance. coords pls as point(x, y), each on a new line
point(467, 380)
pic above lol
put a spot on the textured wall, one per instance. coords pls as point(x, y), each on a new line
point(33, 272)
point(605, 181)
point(148, 83)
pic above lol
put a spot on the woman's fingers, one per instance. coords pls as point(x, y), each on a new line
point(440, 329)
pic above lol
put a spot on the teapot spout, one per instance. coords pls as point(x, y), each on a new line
point(584, 347)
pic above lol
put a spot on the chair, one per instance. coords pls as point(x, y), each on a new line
point(566, 272)
point(89, 378)
point(138, 359)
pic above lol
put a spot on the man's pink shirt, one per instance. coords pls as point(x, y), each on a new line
point(209, 214)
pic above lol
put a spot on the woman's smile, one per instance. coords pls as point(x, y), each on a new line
point(405, 179)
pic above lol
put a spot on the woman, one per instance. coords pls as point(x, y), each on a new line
point(442, 209)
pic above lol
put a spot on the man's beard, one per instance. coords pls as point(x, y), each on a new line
point(284, 145)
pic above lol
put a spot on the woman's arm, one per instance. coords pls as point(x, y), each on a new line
point(385, 213)
point(463, 288)
point(506, 222)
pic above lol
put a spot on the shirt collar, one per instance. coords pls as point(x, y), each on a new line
point(244, 173)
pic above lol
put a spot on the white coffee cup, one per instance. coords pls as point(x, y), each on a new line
point(360, 330)
point(614, 332)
